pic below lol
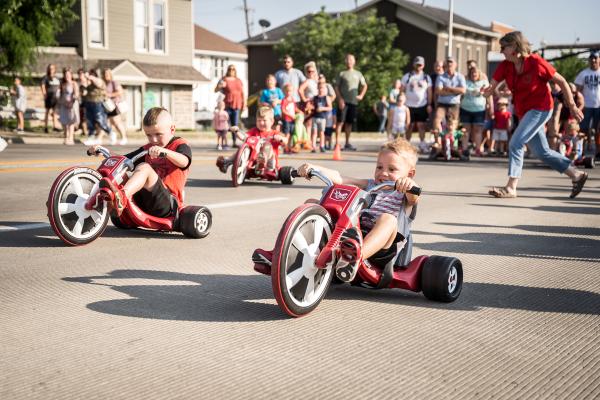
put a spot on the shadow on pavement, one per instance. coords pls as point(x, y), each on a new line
point(515, 245)
point(475, 296)
point(215, 298)
point(565, 209)
point(566, 230)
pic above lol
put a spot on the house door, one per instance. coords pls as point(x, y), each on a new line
point(133, 97)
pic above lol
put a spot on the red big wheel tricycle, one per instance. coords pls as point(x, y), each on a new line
point(248, 164)
point(306, 252)
point(78, 207)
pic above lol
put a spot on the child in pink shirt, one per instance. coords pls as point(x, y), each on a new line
point(221, 125)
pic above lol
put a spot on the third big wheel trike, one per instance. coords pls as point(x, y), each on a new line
point(248, 163)
point(306, 252)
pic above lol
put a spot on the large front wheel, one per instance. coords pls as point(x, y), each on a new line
point(70, 220)
point(240, 165)
point(298, 285)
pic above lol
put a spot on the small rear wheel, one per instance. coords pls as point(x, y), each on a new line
point(70, 220)
point(442, 278)
point(285, 174)
point(240, 165)
point(195, 221)
point(298, 285)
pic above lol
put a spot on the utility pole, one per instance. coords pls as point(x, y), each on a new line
point(246, 10)
point(450, 28)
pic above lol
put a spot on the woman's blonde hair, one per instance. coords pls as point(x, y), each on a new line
point(404, 149)
point(308, 65)
point(517, 39)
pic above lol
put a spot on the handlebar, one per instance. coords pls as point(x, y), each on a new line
point(316, 173)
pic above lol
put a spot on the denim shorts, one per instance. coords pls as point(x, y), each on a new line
point(472, 117)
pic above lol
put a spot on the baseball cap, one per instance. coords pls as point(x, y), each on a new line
point(419, 60)
point(595, 54)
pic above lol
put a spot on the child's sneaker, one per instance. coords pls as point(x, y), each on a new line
point(350, 255)
point(223, 164)
point(120, 200)
point(262, 260)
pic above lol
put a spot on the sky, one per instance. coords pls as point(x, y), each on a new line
point(556, 22)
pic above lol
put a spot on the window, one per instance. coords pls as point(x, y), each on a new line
point(458, 59)
point(96, 22)
point(150, 26)
point(468, 55)
point(478, 57)
point(159, 26)
point(218, 67)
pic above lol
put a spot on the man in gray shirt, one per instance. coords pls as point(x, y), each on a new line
point(290, 75)
point(347, 89)
point(448, 88)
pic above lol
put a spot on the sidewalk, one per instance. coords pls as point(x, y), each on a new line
point(138, 137)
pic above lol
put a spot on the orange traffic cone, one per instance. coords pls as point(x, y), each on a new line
point(337, 153)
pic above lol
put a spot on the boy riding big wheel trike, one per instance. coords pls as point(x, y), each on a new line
point(80, 204)
point(258, 156)
point(307, 251)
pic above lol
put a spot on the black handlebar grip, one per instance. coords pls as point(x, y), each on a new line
point(415, 190)
point(89, 153)
point(162, 154)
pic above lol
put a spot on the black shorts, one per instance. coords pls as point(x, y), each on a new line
point(349, 113)
point(383, 256)
point(418, 114)
point(158, 202)
point(50, 101)
point(113, 113)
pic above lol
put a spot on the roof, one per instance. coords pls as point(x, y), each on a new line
point(438, 15)
point(207, 40)
point(165, 73)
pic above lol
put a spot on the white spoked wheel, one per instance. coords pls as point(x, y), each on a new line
point(298, 285)
point(69, 218)
point(240, 165)
point(452, 279)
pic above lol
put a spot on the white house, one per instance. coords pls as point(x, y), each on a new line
point(212, 55)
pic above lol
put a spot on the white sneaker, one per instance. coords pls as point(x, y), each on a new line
point(113, 138)
point(3, 144)
point(123, 142)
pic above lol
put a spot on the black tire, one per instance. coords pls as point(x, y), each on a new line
point(69, 219)
point(442, 278)
point(195, 221)
point(285, 174)
point(117, 222)
point(298, 286)
point(240, 165)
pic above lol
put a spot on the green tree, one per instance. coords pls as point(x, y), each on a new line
point(26, 24)
point(326, 39)
point(570, 65)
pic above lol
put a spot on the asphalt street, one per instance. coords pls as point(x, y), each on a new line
point(146, 315)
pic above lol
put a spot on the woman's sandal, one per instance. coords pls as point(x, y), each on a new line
point(501, 193)
point(578, 186)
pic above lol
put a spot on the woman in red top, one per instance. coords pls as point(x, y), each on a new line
point(235, 101)
point(527, 76)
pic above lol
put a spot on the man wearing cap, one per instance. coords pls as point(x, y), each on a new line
point(419, 98)
point(448, 88)
point(588, 83)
